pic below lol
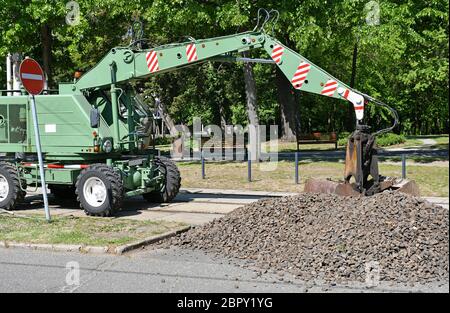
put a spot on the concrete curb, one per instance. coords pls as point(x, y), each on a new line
point(93, 249)
point(55, 247)
point(43, 246)
point(150, 240)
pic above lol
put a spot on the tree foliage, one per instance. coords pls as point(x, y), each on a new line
point(402, 60)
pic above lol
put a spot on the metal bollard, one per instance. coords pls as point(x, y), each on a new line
point(403, 166)
point(249, 167)
point(203, 165)
point(296, 168)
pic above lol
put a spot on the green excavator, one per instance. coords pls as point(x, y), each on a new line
point(95, 131)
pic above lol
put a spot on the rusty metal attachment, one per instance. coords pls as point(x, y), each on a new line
point(314, 185)
point(361, 163)
point(349, 189)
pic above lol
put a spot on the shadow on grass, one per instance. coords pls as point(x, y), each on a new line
point(426, 136)
point(306, 160)
point(443, 146)
point(416, 159)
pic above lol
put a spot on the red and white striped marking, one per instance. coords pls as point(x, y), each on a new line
point(344, 92)
point(300, 75)
point(191, 53)
point(71, 166)
point(152, 61)
point(356, 99)
point(329, 88)
point(277, 53)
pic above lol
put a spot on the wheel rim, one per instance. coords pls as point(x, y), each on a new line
point(94, 191)
point(4, 188)
point(164, 175)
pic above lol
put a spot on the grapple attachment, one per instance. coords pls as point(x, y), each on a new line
point(349, 189)
point(361, 162)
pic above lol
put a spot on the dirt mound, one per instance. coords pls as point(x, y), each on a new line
point(334, 238)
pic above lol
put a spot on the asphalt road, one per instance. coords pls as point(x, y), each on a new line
point(151, 270)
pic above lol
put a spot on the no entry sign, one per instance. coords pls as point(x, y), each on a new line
point(32, 76)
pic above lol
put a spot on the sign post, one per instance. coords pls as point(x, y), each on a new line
point(33, 80)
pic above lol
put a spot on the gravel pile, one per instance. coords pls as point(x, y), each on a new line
point(336, 239)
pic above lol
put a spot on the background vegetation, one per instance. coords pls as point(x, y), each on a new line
point(403, 60)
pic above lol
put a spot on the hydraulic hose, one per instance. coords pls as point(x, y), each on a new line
point(391, 109)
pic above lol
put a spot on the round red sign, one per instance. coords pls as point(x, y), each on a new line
point(32, 76)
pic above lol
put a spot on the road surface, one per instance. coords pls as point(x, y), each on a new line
point(150, 270)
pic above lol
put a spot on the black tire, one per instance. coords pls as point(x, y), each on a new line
point(63, 192)
point(172, 182)
point(16, 193)
point(114, 190)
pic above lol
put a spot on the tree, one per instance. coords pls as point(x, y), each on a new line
point(288, 107)
point(250, 91)
point(402, 61)
point(60, 47)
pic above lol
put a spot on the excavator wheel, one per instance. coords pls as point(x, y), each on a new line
point(171, 187)
point(99, 190)
point(12, 188)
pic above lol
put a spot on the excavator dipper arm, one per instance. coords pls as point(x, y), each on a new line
point(306, 76)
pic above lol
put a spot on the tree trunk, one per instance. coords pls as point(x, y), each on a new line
point(354, 63)
point(350, 118)
point(288, 107)
point(250, 92)
point(167, 120)
point(223, 120)
point(46, 39)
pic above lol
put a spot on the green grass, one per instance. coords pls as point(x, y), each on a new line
point(415, 140)
point(441, 139)
point(432, 180)
point(413, 158)
point(79, 230)
point(411, 141)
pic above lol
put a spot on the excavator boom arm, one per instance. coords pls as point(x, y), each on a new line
point(126, 64)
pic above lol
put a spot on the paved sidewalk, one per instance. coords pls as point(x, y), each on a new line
point(444, 202)
point(193, 206)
